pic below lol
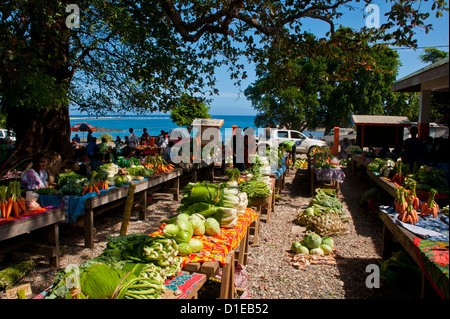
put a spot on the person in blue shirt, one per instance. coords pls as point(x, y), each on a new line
point(92, 148)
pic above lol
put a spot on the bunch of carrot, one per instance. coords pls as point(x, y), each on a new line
point(405, 208)
point(430, 206)
point(159, 164)
point(93, 186)
point(399, 177)
point(11, 200)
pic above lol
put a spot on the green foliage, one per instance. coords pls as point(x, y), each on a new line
point(187, 110)
point(432, 55)
point(320, 91)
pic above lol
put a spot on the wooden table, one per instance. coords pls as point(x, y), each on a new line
point(115, 196)
point(388, 186)
point(313, 182)
point(406, 240)
point(211, 268)
point(48, 222)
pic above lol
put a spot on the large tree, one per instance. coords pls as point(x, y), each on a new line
point(142, 55)
point(311, 95)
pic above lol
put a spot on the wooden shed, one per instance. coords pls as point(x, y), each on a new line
point(380, 130)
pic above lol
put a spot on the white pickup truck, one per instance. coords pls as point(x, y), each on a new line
point(348, 133)
point(302, 142)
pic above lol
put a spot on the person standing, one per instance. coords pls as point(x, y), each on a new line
point(89, 136)
point(413, 148)
point(132, 139)
point(145, 137)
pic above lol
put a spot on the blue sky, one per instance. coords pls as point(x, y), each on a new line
point(232, 101)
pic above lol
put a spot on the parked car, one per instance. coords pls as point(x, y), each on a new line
point(4, 133)
point(348, 133)
point(302, 142)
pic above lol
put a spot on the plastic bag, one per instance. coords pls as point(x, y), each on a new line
point(31, 200)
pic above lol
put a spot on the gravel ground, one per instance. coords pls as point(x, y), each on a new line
point(270, 274)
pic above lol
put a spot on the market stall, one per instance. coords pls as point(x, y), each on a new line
point(85, 205)
point(44, 219)
point(324, 171)
point(426, 242)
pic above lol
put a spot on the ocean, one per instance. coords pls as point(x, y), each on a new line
point(155, 123)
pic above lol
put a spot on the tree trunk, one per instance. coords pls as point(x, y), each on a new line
point(41, 130)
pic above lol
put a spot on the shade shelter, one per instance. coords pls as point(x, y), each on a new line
point(432, 78)
point(380, 130)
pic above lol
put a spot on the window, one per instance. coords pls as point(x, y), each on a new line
point(283, 134)
point(297, 135)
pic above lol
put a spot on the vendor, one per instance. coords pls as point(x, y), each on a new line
point(35, 177)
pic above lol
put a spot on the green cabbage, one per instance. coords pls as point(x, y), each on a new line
point(298, 248)
point(328, 241)
point(326, 249)
point(316, 251)
point(171, 230)
point(196, 244)
point(198, 224)
point(186, 225)
point(313, 241)
point(212, 227)
point(182, 217)
point(182, 237)
point(184, 249)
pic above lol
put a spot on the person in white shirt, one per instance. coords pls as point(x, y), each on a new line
point(132, 139)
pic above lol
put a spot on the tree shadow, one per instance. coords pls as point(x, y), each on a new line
point(359, 279)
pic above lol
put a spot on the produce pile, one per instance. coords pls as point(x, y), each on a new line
point(325, 214)
point(106, 176)
point(409, 208)
point(312, 249)
point(301, 163)
point(130, 267)
point(425, 177)
point(223, 202)
point(313, 244)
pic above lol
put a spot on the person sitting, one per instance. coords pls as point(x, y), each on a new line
point(118, 142)
point(35, 177)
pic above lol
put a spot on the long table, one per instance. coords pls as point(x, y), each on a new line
point(92, 204)
point(406, 240)
point(47, 221)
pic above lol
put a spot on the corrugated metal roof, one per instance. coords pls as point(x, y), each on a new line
point(380, 119)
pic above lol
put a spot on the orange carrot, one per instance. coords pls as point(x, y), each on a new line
point(3, 208)
point(9, 207)
point(16, 208)
point(21, 202)
point(95, 187)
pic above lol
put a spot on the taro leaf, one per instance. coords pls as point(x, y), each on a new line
point(100, 281)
